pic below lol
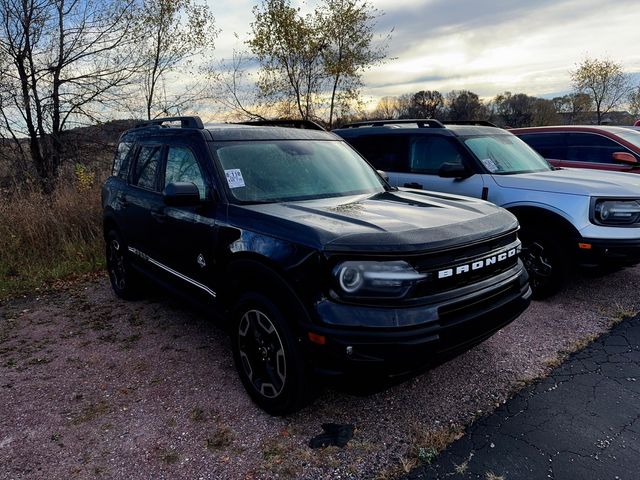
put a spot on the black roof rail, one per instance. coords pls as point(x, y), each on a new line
point(480, 123)
point(282, 122)
point(421, 122)
point(185, 122)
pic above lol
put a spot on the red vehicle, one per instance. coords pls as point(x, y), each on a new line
point(593, 146)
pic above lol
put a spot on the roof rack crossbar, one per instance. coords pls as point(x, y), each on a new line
point(420, 122)
point(303, 124)
point(185, 122)
point(480, 123)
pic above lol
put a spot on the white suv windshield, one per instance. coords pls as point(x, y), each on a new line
point(504, 154)
point(286, 170)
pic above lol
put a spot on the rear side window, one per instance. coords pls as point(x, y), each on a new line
point(549, 145)
point(384, 152)
point(121, 160)
point(182, 166)
point(145, 173)
point(428, 153)
point(589, 147)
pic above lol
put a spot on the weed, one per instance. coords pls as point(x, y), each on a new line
point(572, 348)
point(222, 438)
point(493, 476)
point(170, 457)
point(92, 412)
point(130, 341)
point(461, 468)
point(426, 445)
point(197, 415)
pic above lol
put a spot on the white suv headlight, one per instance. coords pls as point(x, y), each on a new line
point(617, 212)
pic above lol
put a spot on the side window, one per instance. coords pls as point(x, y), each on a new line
point(146, 170)
point(182, 166)
point(428, 153)
point(121, 160)
point(549, 145)
point(384, 152)
point(590, 147)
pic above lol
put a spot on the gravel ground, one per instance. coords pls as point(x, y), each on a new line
point(94, 387)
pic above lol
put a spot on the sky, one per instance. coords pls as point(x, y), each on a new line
point(488, 47)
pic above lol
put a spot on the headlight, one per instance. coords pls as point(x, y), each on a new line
point(370, 278)
point(617, 212)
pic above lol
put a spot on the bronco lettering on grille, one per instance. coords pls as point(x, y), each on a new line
point(479, 264)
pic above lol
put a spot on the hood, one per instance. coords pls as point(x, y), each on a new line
point(575, 181)
point(396, 221)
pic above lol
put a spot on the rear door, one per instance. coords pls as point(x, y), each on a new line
point(142, 198)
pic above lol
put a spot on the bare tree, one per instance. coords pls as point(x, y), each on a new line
point(515, 110)
point(172, 34)
point(604, 81)
point(634, 101)
point(313, 64)
point(573, 107)
point(64, 60)
point(347, 50)
point(465, 105)
point(233, 88)
point(388, 107)
point(427, 104)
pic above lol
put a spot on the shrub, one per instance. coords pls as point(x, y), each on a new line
point(44, 238)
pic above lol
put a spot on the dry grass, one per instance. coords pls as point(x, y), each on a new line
point(47, 238)
point(427, 444)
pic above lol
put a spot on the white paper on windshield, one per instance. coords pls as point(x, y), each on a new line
point(489, 165)
point(234, 178)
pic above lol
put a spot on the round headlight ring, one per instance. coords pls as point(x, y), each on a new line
point(350, 278)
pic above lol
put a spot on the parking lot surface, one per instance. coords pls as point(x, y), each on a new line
point(95, 387)
point(582, 421)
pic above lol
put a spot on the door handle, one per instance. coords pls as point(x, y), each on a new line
point(413, 185)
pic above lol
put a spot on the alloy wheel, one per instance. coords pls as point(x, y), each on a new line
point(262, 354)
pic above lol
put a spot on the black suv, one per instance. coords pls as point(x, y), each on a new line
point(317, 263)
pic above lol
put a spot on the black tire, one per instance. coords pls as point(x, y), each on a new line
point(125, 281)
point(547, 262)
point(268, 356)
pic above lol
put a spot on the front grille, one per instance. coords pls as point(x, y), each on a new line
point(466, 266)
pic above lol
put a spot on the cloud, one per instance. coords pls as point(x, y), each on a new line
point(487, 46)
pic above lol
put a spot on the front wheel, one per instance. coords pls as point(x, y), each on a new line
point(546, 261)
point(268, 356)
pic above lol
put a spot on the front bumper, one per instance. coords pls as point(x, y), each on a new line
point(607, 253)
point(449, 327)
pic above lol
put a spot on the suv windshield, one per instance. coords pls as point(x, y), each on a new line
point(286, 170)
point(504, 154)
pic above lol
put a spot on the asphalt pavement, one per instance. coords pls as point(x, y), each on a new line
point(581, 422)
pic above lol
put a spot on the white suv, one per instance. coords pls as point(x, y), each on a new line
point(568, 217)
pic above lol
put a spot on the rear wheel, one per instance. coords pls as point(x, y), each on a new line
point(546, 261)
point(125, 281)
point(268, 356)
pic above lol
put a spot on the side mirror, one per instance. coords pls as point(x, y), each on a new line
point(181, 194)
point(453, 170)
point(384, 175)
point(624, 157)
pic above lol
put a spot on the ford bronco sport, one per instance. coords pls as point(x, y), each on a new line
point(568, 217)
point(317, 263)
